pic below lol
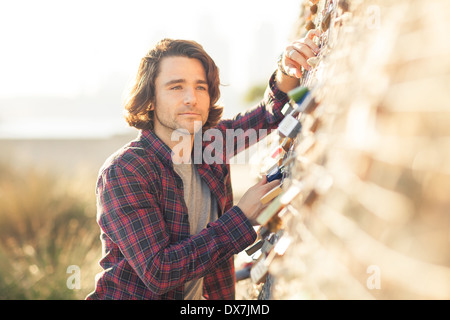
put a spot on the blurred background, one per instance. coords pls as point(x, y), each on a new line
point(65, 66)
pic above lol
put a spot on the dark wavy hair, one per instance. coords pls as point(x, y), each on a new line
point(142, 92)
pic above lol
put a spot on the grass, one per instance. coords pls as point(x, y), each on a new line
point(47, 224)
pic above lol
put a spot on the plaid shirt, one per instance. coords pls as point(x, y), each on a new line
point(148, 252)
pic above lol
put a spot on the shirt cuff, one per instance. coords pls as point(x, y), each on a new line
point(275, 98)
point(238, 229)
point(275, 92)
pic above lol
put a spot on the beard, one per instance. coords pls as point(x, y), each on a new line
point(184, 124)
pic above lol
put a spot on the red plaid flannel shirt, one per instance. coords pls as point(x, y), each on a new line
point(148, 252)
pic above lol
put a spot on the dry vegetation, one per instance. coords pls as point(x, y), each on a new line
point(47, 224)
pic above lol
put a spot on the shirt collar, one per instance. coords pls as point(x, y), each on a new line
point(156, 145)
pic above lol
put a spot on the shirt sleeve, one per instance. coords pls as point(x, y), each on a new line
point(256, 122)
point(130, 215)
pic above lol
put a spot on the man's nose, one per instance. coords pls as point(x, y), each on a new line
point(190, 97)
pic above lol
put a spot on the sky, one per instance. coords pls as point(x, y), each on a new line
point(65, 65)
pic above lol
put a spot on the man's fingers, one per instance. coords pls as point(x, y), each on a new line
point(293, 70)
point(272, 184)
point(263, 180)
point(297, 57)
point(313, 33)
point(275, 182)
point(301, 56)
point(306, 47)
point(291, 64)
point(297, 54)
point(293, 67)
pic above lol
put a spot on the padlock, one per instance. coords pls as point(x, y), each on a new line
point(275, 223)
point(277, 153)
point(272, 194)
point(307, 106)
point(344, 5)
point(272, 217)
point(297, 95)
point(278, 221)
point(255, 247)
point(286, 143)
point(287, 161)
point(326, 21)
point(310, 26)
point(292, 192)
point(272, 209)
point(287, 109)
point(279, 203)
point(268, 169)
point(275, 174)
point(313, 61)
point(282, 244)
point(310, 198)
point(268, 244)
point(259, 271)
point(289, 126)
point(263, 232)
point(315, 125)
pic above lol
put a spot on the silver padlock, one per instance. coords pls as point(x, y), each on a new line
point(287, 109)
point(289, 126)
point(308, 105)
point(259, 271)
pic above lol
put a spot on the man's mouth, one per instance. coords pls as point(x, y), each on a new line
point(189, 114)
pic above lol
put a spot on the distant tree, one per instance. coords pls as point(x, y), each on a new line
point(255, 92)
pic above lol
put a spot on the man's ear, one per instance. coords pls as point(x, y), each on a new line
point(151, 107)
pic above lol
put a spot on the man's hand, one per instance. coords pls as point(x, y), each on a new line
point(251, 204)
point(295, 56)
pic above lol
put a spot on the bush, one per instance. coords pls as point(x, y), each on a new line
point(47, 224)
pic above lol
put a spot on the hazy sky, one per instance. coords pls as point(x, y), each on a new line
point(54, 52)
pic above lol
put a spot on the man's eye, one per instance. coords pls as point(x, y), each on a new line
point(176, 88)
point(202, 88)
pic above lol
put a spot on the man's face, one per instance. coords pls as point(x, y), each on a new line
point(182, 96)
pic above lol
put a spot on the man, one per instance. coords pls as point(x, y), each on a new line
point(169, 229)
